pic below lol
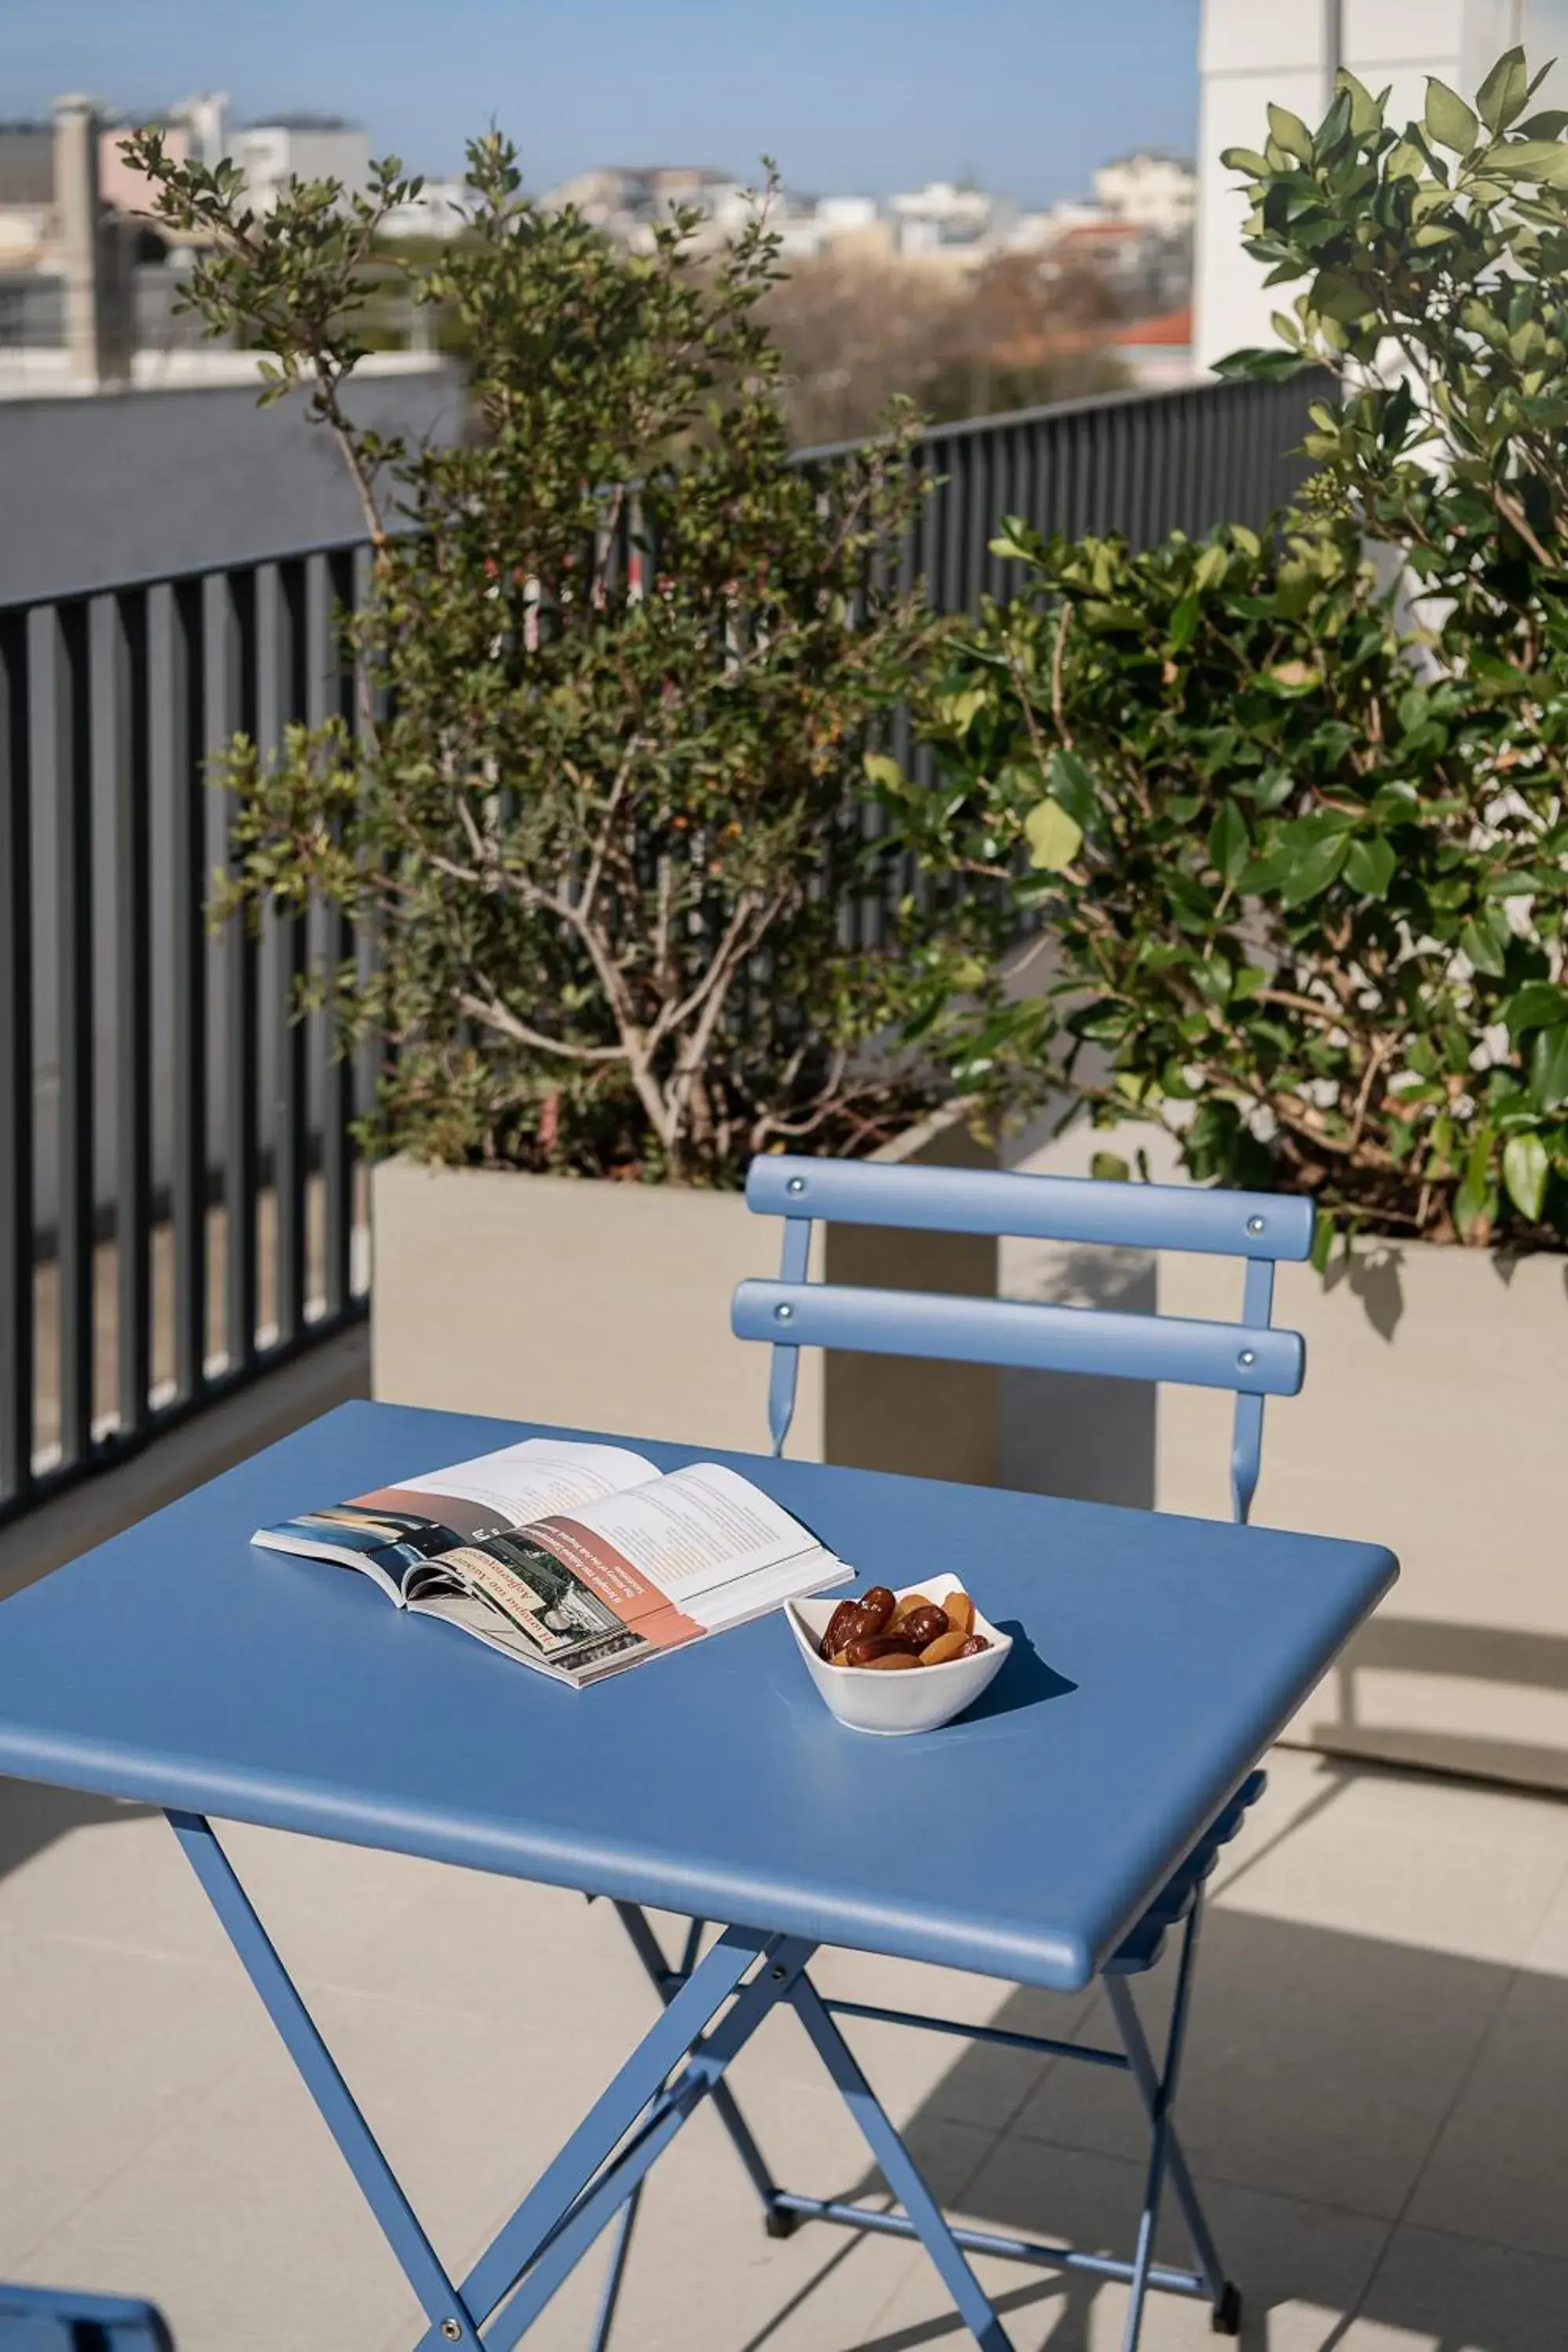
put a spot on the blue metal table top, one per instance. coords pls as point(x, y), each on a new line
point(178, 1666)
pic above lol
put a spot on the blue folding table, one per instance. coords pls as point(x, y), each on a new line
point(1154, 1660)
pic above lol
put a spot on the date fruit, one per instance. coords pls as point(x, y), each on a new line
point(906, 1608)
point(868, 1648)
point(881, 1631)
point(838, 1627)
point(926, 1625)
point(873, 1611)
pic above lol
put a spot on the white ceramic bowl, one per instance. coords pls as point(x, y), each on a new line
point(895, 1705)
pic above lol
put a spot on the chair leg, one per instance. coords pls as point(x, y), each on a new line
point(898, 2169)
point(614, 2272)
point(1157, 2088)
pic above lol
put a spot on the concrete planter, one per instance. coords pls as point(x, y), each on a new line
point(605, 1305)
point(1431, 1421)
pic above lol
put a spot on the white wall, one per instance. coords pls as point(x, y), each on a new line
point(1255, 52)
point(269, 153)
point(1251, 53)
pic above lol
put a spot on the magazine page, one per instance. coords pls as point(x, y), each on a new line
point(646, 1570)
point(394, 1530)
point(703, 1537)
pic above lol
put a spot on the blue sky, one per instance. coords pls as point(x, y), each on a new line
point(864, 95)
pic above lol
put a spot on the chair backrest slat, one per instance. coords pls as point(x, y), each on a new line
point(1021, 1335)
point(1249, 1357)
point(1262, 1226)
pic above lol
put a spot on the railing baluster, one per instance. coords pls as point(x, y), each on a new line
point(187, 723)
point(331, 686)
point(126, 620)
point(15, 1063)
point(369, 700)
point(73, 1016)
point(231, 711)
point(281, 589)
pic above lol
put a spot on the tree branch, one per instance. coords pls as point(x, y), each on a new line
point(496, 1015)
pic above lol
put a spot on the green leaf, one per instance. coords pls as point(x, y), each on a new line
point(1481, 950)
point(1245, 159)
point(959, 711)
point(1335, 295)
point(1071, 786)
point(1548, 1069)
point(1476, 1197)
point(1015, 541)
point(1370, 865)
point(1366, 112)
point(1541, 1004)
point(1505, 93)
point(1448, 120)
point(1054, 837)
point(885, 772)
point(1525, 1167)
point(1109, 1169)
point(1264, 366)
point(1228, 844)
point(1311, 870)
point(1210, 568)
point(1290, 133)
point(1183, 625)
point(1212, 978)
point(1543, 160)
point(1323, 1231)
point(1405, 161)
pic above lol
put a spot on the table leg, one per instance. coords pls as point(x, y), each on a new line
point(450, 2316)
point(599, 2173)
point(568, 2240)
point(602, 2164)
point(646, 1945)
point(666, 1981)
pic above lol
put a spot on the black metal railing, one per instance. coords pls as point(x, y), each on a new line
point(177, 1176)
point(180, 1194)
point(1136, 464)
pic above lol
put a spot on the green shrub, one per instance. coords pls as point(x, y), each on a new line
point(1294, 823)
point(620, 659)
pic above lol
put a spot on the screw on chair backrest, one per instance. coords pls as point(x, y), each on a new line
point(48, 2319)
point(1248, 1357)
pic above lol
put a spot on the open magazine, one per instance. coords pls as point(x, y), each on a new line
point(579, 1559)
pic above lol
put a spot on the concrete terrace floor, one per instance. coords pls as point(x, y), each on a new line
point(1376, 2095)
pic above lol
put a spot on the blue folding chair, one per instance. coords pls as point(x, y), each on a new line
point(1248, 1358)
point(45, 2319)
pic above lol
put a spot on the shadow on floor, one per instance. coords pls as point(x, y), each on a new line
point(1330, 2094)
point(33, 1816)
